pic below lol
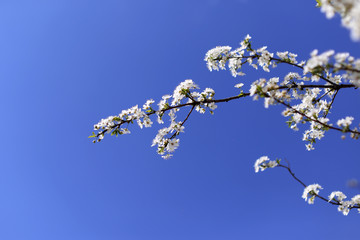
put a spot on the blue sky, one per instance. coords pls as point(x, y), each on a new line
point(64, 65)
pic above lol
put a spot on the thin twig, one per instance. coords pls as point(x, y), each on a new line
point(187, 117)
point(331, 103)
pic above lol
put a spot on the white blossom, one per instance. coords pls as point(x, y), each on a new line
point(172, 144)
point(147, 104)
point(181, 90)
point(356, 199)
point(338, 195)
point(216, 57)
point(317, 62)
point(263, 163)
point(310, 192)
point(345, 122)
point(345, 207)
point(239, 85)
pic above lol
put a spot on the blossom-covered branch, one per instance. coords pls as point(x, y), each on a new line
point(308, 107)
point(336, 70)
point(319, 66)
point(318, 125)
point(308, 97)
point(312, 191)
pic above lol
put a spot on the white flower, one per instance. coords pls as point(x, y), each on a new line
point(290, 76)
point(172, 145)
point(212, 106)
point(282, 55)
point(147, 122)
point(339, 196)
point(345, 122)
point(239, 85)
point(147, 104)
point(345, 207)
point(263, 163)
point(265, 58)
point(341, 57)
point(258, 163)
point(309, 147)
point(311, 191)
point(167, 156)
point(181, 89)
point(216, 57)
point(317, 61)
point(163, 101)
point(356, 199)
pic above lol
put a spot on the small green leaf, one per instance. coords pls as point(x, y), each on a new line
point(318, 3)
point(116, 119)
point(93, 135)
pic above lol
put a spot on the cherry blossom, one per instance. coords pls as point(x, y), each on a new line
point(310, 192)
point(307, 94)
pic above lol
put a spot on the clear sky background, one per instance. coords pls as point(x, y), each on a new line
point(66, 64)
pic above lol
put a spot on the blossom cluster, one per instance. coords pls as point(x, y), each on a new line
point(335, 197)
point(305, 98)
point(112, 124)
point(345, 206)
point(264, 162)
point(349, 11)
point(166, 139)
point(311, 192)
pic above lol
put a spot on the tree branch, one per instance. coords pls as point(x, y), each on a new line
point(333, 201)
point(187, 117)
point(195, 103)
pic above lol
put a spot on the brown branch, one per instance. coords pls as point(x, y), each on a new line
point(195, 103)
